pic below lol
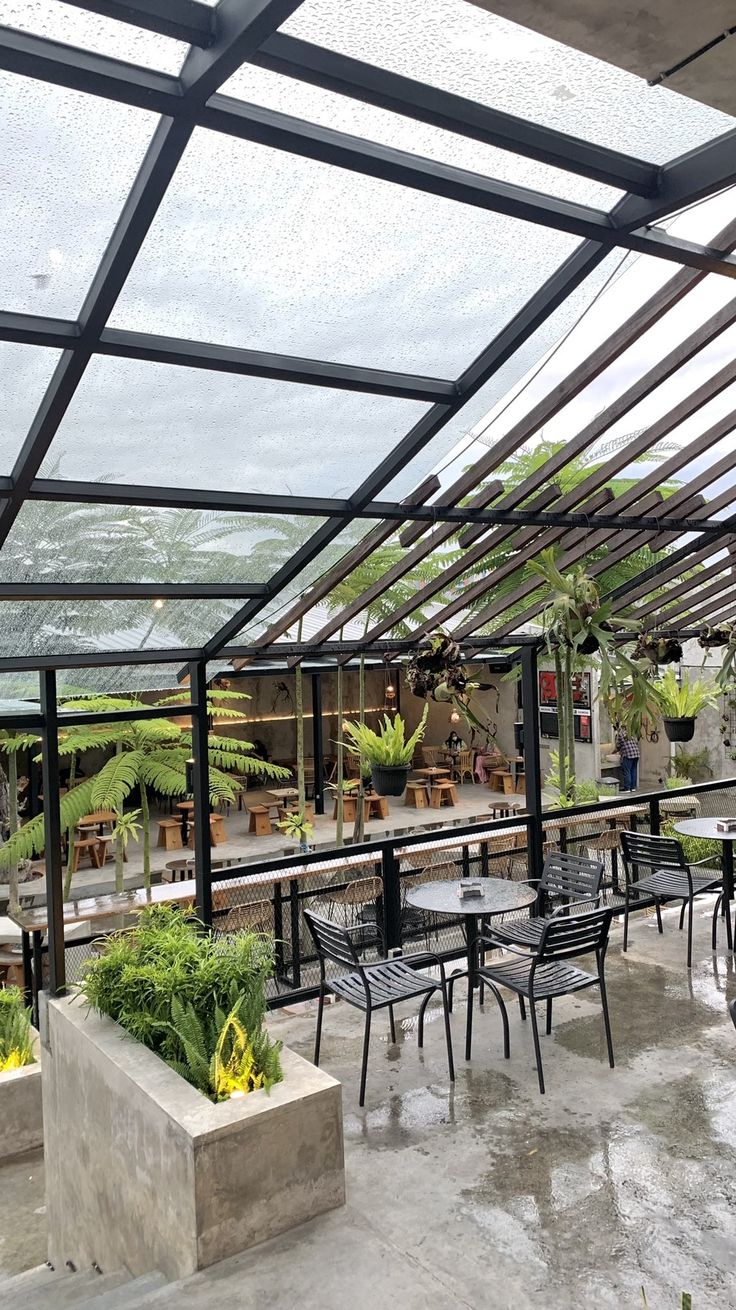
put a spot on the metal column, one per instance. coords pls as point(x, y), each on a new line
point(318, 745)
point(532, 770)
point(52, 835)
point(201, 791)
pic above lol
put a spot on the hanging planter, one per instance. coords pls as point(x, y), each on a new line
point(658, 650)
point(388, 752)
point(438, 669)
point(390, 780)
point(680, 703)
point(679, 729)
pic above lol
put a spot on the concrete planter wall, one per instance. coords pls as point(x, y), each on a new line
point(144, 1172)
point(21, 1114)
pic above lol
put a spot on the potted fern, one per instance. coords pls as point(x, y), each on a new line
point(680, 703)
point(388, 752)
point(297, 826)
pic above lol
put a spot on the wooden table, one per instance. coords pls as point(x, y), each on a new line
point(434, 771)
point(99, 819)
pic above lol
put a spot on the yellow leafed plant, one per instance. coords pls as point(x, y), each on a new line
point(235, 1072)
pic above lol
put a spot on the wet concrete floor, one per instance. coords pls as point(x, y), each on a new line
point(487, 1196)
point(490, 1195)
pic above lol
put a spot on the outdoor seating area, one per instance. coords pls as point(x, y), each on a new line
point(368, 655)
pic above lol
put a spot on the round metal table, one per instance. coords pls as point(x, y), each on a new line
point(707, 828)
point(500, 895)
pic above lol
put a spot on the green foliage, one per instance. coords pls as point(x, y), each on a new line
point(173, 988)
point(682, 700)
point(297, 826)
point(692, 764)
point(388, 746)
point(569, 790)
point(16, 1039)
point(675, 782)
point(695, 848)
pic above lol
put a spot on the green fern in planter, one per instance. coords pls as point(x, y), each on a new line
point(389, 746)
point(16, 1040)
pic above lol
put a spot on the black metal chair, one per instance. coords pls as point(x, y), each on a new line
point(569, 880)
point(546, 972)
point(669, 878)
point(376, 986)
point(732, 1011)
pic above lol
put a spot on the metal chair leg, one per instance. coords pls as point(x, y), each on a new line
point(690, 932)
point(606, 1017)
point(537, 1047)
point(682, 914)
point(364, 1066)
point(469, 1023)
point(658, 911)
point(448, 1035)
point(318, 1034)
point(504, 1018)
point(392, 1024)
point(714, 930)
point(626, 918)
point(549, 1016)
point(420, 1028)
point(522, 1009)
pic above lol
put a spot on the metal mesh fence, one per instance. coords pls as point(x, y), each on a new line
point(368, 889)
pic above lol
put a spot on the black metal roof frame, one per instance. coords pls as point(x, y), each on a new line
point(222, 38)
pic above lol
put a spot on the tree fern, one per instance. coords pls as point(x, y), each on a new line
point(116, 780)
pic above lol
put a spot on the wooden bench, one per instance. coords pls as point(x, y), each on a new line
point(260, 820)
point(416, 795)
point(443, 792)
point(169, 834)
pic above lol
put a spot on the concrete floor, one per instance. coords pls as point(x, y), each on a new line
point(488, 1195)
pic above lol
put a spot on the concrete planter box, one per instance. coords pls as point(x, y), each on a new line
point(21, 1114)
point(144, 1172)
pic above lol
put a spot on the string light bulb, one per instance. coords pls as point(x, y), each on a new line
point(454, 717)
point(158, 604)
point(390, 691)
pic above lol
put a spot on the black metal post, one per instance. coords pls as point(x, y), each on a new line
point(201, 791)
point(34, 804)
point(532, 768)
point(318, 745)
point(654, 817)
point(391, 898)
point(52, 835)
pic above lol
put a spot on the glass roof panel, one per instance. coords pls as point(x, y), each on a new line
point(256, 247)
point(25, 372)
point(54, 541)
point(162, 425)
point(462, 48)
point(62, 189)
point(72, 627)
point(88, 31)
point(289, 96)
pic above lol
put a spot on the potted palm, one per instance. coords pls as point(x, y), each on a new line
point(297, 826)
point(680, 703)
point(388, 752)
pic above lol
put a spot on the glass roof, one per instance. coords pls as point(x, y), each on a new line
point(255, 247)
point(461, 48)
point(103, 36)
point(225, 242)
point(64, 542)
point(165, 425)
point(61, 198)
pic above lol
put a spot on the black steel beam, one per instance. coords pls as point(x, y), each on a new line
point(318, 744)
point(85, 718)
point(281, 131)
point(692, 176)
point(201, 792)
point(52, 834)
point(58, 333)
point(292, 57)
point(313, 507)
point(532, 759)
point(102, 659)
point(186, 20)
point(130, 590)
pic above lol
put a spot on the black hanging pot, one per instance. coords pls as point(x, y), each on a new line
point(390, 779)
point(679, 729)
point(590, 645)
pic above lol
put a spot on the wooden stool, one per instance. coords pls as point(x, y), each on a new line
point(416, 795)
point(443, 793)
point(294, 809)
point(90, 847)
point(11, 966)
point(260, 821)
point(376, 806)
point(217, 830)
point(501, 780)
point(169, 834)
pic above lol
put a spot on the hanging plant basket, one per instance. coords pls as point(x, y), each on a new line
point(390, 779)
point(658, 650)
point(440, 668)
point(719, 634)
point(679, 729)
point(589, 646)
